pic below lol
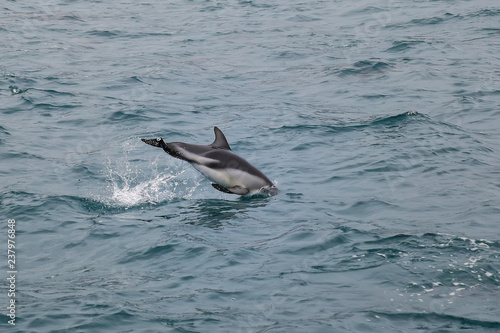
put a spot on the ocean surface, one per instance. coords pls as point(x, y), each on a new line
point(378, 121)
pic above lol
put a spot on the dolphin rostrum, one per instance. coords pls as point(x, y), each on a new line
point(229, 172)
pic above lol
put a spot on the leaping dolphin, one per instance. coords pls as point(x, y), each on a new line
point(229, 172)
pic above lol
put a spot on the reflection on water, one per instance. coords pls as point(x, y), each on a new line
point(214, 213)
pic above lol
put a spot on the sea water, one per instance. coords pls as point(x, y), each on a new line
point(377, 120)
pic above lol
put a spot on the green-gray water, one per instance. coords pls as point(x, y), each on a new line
point(377, 120)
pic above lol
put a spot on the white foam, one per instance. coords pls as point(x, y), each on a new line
point(139, 182)
point(150, 191)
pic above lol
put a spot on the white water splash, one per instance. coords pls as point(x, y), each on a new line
point(127, 189)
point(149, 191)
point(132, 183)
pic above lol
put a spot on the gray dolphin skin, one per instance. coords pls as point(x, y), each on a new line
point(229, 172)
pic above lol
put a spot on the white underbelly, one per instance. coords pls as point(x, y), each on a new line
point(231, 177)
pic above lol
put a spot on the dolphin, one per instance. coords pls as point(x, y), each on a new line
point(229, 172)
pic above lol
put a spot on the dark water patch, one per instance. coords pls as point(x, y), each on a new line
point(367, 208)
point(136, 79)
point(41, 208)
point(100, 235)
point(126, 116)
point(155, 34)
point(104, 321)
point(365, 68)
point(291, 55)
point(435, 240)
point(393, 164)
point(214, 213)
point(436, 20)
point(303, 18)
point(45, 99)
point(473, 97)
point(376, 96)
point(55, 93)
point(51, 106)
point(71, 17)
point(141, 36)
point(400, 119)
point(426, 21)
point(93, 205)
point(458, 262)
point(71, 202)
point(342, 126)
point(106, 206)
point(390, 240)
point(16, 79)
point(212, 8)
point(36, 93)
point(105, 33)
point(484, 13)
point(401, 46)
point(491, 31)
point(3, 131)
point(255, 4)
point(20, 156)
point(309, 145)
point(366, 10)
point(61, 79)
point(156, 251)
point(437, 322)
point(21, 196)
point(294, 195)
point(432, 20)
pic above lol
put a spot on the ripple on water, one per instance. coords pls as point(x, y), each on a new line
point(371, 67)
point(114, 236)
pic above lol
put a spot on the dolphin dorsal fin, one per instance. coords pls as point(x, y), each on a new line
point(220, 140)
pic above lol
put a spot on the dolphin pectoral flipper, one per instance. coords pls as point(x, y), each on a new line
point(234, 190)
point(220, 188)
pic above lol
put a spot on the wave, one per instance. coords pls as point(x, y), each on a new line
point(400, 119)
point(404, 45)
point(447, 17)
point(395, 120)
point(433, 318)
point(440, 263)
point(366, 68)
point(484, 13)
point(123, 116)
point(105, 33)
point(44, 98)
point(3, 132)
